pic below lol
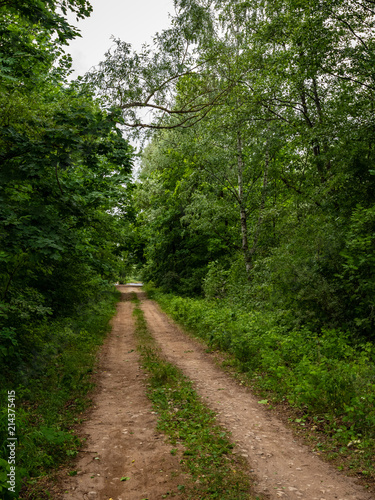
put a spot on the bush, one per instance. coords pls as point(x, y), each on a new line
point(324, 374)
point(59, 354)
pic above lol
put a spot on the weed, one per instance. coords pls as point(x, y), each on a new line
point(328, 377)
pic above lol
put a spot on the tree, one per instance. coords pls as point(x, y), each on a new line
point(269, 108)
point(176, 254)
point(65, 168)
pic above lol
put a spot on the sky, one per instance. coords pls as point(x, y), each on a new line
point(133, 21)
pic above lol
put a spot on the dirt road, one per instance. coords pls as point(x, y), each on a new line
point(122, 441)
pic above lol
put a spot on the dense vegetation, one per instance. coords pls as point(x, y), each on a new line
point(64, 206)
point(268, 198)
point(255, 201)
point(257, 190)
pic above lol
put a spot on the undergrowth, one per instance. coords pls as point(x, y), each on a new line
point(51, 386)
point(216, 472)
point(327, 380)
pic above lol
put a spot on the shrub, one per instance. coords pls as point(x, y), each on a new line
point(326, 374)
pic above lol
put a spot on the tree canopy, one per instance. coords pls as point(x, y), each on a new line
point(65, 175)
point(266, 155)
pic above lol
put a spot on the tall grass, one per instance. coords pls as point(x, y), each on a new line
point(329, 379)
point(51, 374)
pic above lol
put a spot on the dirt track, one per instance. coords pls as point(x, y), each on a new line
point(121, 429)
point(122, 440)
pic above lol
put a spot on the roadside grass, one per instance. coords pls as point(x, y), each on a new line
point(324, 385)
point(51, 391)
point(216, 473)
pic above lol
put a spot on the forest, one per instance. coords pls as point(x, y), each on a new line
point(251, 217)
point(65, 203)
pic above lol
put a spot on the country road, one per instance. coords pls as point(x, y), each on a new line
point(122, 441)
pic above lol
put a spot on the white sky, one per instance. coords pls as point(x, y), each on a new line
point(133, 21)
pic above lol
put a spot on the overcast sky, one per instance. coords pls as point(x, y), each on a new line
point(133, 21)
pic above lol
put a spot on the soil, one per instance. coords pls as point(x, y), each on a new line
point(122, 440)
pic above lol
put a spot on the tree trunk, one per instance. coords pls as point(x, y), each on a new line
point(243, 214)
point(262, 204)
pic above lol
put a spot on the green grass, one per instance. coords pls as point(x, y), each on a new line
point(215, 472)
point(51, 386)
point(324, 383)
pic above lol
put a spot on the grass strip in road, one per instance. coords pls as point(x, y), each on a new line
point(207, 451)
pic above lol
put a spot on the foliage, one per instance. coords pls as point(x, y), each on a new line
point(176, 257)
point(257, 187)
point(215, 282)
point(262, 146)
point(65, 209)
point(357, 272)
point(65, 178)
point(60, 354)
point(328, 376)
